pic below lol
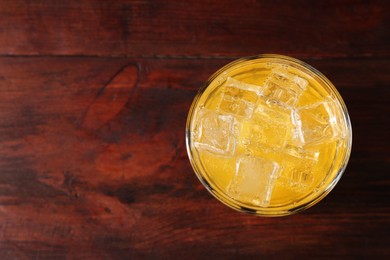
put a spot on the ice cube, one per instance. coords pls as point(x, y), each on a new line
point(283, 87)
point(214, 132)
point(253, 181)
point(298, 168)
point(302, 153)
point(319, 122)
point(238, 98)
point(268, 127)
point(296, 137)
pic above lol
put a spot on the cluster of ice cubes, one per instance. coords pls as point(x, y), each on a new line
point(247, 114)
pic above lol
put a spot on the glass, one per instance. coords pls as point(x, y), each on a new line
point(268, 135)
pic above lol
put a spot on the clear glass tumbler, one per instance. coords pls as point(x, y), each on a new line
point(268, 135)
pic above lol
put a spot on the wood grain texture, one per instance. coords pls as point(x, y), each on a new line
point(111, 98)
point(125, 189)
point(94, 97)
point(347, 28)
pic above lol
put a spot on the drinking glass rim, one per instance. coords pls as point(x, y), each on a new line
point(270, 211)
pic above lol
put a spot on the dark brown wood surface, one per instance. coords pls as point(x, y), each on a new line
point(93, 102)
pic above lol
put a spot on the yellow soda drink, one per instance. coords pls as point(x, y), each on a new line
point(268, 135)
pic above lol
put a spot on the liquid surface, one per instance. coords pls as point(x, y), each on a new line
point(268, 134)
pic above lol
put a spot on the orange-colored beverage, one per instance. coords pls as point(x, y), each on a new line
point(268, 135)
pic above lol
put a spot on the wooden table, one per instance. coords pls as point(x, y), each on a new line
point(93, 102)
